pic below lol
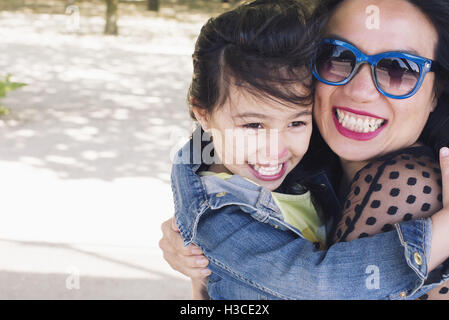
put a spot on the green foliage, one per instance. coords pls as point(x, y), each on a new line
point(6, 86)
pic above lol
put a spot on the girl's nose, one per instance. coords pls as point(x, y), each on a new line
point(273, 149)
point(282, 154)
point(277, 155)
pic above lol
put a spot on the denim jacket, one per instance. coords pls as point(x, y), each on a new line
point(254, 254)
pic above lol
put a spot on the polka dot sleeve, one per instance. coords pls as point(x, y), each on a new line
point(400, 187)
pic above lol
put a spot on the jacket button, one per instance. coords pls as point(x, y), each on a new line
point(220, 194)
point(276, 227)
point(417, 258)
point(403, 294)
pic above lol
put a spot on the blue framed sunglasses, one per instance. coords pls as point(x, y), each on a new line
point(396, 75)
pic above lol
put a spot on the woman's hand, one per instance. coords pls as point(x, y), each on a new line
point(444, 163)
point(187, 260)
point(440, 220)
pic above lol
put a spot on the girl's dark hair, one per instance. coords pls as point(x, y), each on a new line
point(264, 46)
point(436, 131)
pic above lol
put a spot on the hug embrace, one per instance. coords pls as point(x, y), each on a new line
point(328, 130)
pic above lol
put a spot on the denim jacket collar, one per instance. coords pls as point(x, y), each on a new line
point(210, 192)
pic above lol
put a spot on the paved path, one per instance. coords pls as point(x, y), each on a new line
point(85, 156)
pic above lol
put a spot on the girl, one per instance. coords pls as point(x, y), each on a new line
point(251, 92)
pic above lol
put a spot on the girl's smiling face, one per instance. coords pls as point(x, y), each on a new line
point(402, 27)
point(258, 138)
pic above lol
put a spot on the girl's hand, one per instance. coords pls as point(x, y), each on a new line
point(187, 260)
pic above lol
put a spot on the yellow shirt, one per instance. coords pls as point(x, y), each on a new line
point(298, 211)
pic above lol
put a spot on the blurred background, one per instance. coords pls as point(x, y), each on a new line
point(92, 106)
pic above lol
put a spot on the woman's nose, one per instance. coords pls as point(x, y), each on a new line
point(361, 88)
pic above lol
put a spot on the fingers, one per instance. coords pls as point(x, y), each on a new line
point(173, 225)
point(444, 163)
point(188, 260)
point(191, 266)
point(195, 267)
point(172, 241)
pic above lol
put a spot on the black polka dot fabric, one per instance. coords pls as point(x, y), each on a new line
point(403, 186)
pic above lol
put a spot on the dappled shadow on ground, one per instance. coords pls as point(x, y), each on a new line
point(94, 107)
point(139, 282)
point(20, 285)
point(167, 8)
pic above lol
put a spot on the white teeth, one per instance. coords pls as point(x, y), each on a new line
point(268, 171)
point(357, 124)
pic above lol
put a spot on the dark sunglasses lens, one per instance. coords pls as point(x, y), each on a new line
point(334, 63)
point(397, 76)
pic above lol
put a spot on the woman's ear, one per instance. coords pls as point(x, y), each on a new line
point(434, 104)
point(202, 117)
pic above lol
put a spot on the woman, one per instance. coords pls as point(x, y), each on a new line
point(403, 120)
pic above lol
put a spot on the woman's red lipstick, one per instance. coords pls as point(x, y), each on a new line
point(360, 136)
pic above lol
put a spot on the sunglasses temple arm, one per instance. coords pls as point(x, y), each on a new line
point(435, 66)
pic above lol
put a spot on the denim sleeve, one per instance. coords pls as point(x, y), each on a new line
point(280, 265)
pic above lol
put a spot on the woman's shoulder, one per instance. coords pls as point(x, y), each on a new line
point(416, 159)
point(415, 152)
point(414, 166)
point(400, 186)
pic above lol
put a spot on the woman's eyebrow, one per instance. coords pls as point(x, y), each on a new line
point(407, 50)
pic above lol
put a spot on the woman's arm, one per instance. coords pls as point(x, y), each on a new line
point(404, 186)
point(199, 290)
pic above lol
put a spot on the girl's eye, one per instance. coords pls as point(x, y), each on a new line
point(255, 125)
point(297, 124)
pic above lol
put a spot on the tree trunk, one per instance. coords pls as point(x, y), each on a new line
point(153, 5)
point(111, 17)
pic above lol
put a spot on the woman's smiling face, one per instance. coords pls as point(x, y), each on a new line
point(403, 27)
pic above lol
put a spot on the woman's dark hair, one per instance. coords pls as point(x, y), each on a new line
point(264, 46)
point(436, 131)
